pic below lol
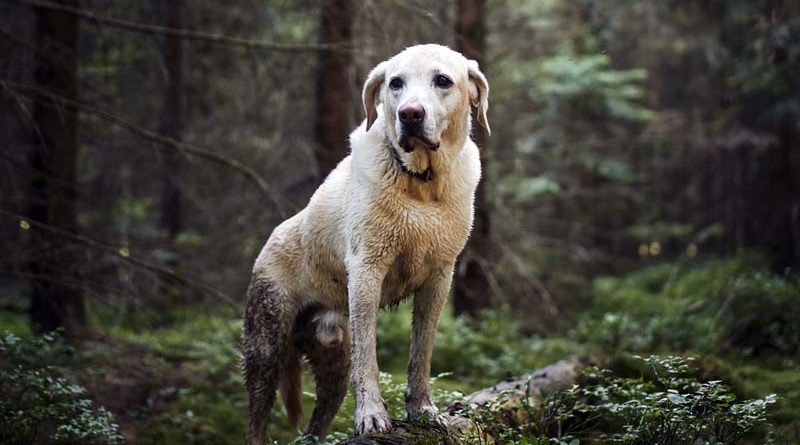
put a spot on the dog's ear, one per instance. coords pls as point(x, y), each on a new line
point(479, 93)
point(370, 94)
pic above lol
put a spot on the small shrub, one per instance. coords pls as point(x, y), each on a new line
point(715, 306)
point(39, 405)
point(619, 332)
point(671, 407)
point(492, 348)
point(212, 406)
point(666, 406)
point(480, 351)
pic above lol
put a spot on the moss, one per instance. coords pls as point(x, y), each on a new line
point(759, 379)
point(16, 323)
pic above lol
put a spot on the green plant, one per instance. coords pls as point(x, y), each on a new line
point(477, 352)
point(39, 405)
point(211, 406)
point(481, 351)
point(712, 306)
point(492, 348)
point(672, 407)
point(667, 405)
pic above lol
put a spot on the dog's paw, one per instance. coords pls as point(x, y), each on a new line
point(372, 418)
point(423, 411)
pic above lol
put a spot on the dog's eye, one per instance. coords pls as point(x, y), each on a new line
point(442, 81)
point(396, 83)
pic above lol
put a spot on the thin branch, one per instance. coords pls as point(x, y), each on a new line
point(143, 132)
point(416, 10)
point(36, 173)
point(219, 39)
point(27, 224)
point(101, 292)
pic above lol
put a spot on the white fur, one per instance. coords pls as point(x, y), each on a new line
point(330, 328)
point(372, 235)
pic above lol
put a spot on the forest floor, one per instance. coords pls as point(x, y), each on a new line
point(175, 378)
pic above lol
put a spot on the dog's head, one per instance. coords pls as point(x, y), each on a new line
point(426, 92)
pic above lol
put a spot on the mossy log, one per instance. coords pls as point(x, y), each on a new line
point(453, 423)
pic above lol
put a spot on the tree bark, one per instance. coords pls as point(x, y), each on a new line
point(535, 385)
point(53, 196)
point(172, 125)
point(472, 289)
point(334, 118)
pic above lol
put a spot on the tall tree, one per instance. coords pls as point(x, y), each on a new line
point(334, 118)
point(472, 290)
point(173, 122)
point(56, 302)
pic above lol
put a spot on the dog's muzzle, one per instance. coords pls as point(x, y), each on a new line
point(412, 124)
point(410, 142)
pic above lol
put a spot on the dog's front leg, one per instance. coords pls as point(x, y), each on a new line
point(428, 303)
point(364, 289)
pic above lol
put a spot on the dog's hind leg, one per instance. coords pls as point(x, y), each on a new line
point(328, 351)
point(291, 386)
point(267, 329)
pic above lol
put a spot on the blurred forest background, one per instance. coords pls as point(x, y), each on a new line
point(641, 196)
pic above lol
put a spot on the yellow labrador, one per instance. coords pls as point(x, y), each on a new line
point(387, 223)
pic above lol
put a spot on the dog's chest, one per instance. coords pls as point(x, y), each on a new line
point(426, 237)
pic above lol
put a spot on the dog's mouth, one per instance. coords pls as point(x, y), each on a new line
point(411, 142)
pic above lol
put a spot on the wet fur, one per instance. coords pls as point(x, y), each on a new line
point(272, 358)
point(370, 236)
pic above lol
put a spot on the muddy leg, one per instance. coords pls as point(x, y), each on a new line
point(331, 368)
point(267, 327)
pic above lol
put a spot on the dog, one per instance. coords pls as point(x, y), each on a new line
point(388, 222)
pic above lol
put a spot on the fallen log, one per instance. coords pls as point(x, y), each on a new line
point(454, 423)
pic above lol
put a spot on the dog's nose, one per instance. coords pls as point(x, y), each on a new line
point(411, 114)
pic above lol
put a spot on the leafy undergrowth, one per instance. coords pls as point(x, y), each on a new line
point(665, 404)
point(179, 381)
point(717, 307)
point(742, 320)
point(40, 404)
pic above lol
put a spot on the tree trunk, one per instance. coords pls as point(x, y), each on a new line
point(335, 90)
point(172, 125)
point(780, 231)
point(55, 300)
point(472, 290)
point(455, 424)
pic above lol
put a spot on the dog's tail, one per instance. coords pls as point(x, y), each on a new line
point(291, 388)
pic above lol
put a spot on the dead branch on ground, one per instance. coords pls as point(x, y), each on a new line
point(454, 423)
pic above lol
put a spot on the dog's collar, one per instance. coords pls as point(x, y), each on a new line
point(424, 176)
